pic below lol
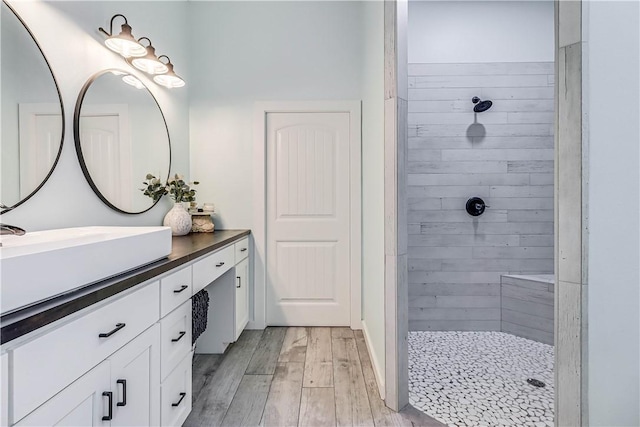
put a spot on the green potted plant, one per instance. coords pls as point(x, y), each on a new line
point(179, 191)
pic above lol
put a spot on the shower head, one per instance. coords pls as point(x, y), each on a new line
point(481, 105)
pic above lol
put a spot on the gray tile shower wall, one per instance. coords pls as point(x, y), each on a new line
point(505, 156)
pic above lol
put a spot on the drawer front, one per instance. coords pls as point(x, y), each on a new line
point(213, 266)
point(174, 290)
point(176, 394)
point(242, 249)
point(46, 365)
point(175, 336)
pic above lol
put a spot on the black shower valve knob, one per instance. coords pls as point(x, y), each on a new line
point(476, 206)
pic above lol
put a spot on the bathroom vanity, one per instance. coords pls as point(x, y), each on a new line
point(119, 352)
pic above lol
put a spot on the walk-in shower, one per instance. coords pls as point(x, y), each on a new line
point(480, 212)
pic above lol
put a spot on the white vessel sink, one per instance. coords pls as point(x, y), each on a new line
point(42, 264)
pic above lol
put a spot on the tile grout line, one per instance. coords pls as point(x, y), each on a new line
point(304, 370)
point(270, 385)
point(243, 375)
point(365, 384)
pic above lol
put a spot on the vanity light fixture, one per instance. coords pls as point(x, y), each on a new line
point(141, 57)
point(133, 81)
point(149, 63)
point(169, 79)
point(124, 43)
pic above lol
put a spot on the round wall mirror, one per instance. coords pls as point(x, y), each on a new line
point(32, 114)
point(121, 136)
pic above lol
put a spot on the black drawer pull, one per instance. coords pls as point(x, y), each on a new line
point(182, 333)
point(182, 395)
point(182, 288)
point(113, 331)
point(243, 249)
point(239, 282)
point(124, 393)
point(110, 396)
point(220, 264)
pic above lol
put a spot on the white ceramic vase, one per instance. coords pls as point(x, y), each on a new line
point(178, 219)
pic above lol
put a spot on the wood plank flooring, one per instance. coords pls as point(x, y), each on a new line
point(293, 377)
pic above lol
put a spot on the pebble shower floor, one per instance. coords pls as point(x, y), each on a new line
point(480, 378)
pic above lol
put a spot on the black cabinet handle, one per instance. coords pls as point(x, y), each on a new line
point(110, 396)
point(182, 333)
point(220, 264)
point(243, 249)
point(124, 393)
point(239, 282)
point(182, 288)
point(113, 331)
point(182, 395)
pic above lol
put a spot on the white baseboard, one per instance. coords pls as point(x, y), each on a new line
point(254, 325)
point(377, 369)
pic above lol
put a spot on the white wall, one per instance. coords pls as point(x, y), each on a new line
point(611, 68)
point(67, 33)
point(22, 62)
point(373, 181)
point(243, 52)
point(480, 31)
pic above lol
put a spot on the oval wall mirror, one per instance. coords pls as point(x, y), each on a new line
point(121, 136)
point(32, 114)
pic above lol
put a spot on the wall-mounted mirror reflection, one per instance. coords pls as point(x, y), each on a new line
point(121, 136)
point(32, 113)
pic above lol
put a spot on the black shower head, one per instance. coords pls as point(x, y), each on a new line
point(481, 105)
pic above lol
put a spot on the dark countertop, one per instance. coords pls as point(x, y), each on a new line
point(184, 249)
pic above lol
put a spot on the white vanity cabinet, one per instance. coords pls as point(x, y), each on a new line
point(127, 360)
point(47, 364)
point(229, 300)
point(121, 391)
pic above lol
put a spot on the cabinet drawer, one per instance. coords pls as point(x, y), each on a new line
point(49, 363)
point(174, 290)
point(213, 266)
point(176, 394)
point(175, 336)
point(242, 249)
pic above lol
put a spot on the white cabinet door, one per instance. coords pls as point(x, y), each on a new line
point(242, 296)
point(84, 403)
point(135, 381)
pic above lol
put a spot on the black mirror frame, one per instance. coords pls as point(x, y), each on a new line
point(76, 136)
point(4, 208)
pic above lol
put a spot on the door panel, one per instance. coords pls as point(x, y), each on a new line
point(107, 151)
point(242, 296)
point(80, 404)
point(135, 381)
point(40, 129)
point(308, 219)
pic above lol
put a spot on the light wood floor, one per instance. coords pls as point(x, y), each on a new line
point(293, 377)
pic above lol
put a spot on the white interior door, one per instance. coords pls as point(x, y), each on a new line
point(40, 130)
point(308, 221)
point(106, 150)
